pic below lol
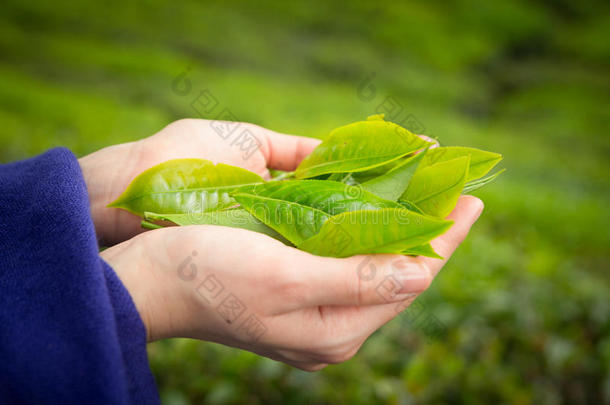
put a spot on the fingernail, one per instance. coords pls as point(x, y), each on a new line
point(478, 211)
point(413, 278)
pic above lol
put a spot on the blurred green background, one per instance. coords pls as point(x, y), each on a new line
point(524, 303)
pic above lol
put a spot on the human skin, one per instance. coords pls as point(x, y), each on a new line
point(291, 306)
point(108, 171)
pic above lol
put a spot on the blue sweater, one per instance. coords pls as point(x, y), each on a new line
point(69, 331)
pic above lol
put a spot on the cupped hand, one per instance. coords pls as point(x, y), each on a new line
point(107, 172)
point(247, 290)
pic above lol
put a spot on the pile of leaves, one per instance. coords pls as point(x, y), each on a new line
point(370, 187)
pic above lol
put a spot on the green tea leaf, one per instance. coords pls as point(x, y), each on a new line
point(182, 185)
point(296, 222)
point(435, 189)
point(476, 184)
point(388, 230)
point(481, 162)
point(359, 146)
point(234, 218)
point(394, 183)
point(329, 196)
point(422, 250)
point(340, 177)
point(410, 206)
point(367, 175)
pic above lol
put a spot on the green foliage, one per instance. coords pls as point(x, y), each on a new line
point(328, 196)
point(385, 230)
point(524, 299)
point(392, 184)
point(435, 189)
point(358, 147)
point(481, 161)
point(183, 185)
point(295, 221)
point(323, 217)
point(477, 184)
point(233, 217)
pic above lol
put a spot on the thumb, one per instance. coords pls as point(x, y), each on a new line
point(285, 152)
point(358, 280)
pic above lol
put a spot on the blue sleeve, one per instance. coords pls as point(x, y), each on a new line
point(69, 330)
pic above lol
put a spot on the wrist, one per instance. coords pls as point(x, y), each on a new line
point(148, 275)
point(106, 173)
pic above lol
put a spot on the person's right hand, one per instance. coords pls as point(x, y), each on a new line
point(247, 290)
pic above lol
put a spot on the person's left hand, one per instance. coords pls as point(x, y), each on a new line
point(108, 172)
point(245, 289)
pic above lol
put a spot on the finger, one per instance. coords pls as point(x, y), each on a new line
point(355, 281)
point(332, 285)
point(464, 215)
point(381, 279)
point(285, 152)
point(434, 142)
